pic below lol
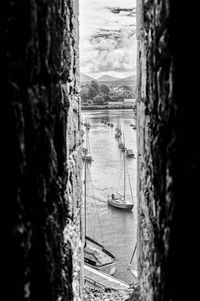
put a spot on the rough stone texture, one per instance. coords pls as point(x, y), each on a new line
point(168, 150)
point(40, 54)
point(98, 294)
point(156, 145)
point(41, 201)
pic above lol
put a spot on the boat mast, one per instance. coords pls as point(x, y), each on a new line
point(87, 140)
point(85, 193)
point(124, 175)
point(133, 252)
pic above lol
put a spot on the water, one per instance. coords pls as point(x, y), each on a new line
point(114, 228)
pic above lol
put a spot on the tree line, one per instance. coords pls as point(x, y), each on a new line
point(101, 94)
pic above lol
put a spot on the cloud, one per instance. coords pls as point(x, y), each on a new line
point(129, 12)
point(107, 40)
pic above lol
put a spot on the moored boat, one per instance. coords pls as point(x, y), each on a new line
point(118, 202)
point(130, 154)
point(95, 254)
point(117, 135)
point(87, 157)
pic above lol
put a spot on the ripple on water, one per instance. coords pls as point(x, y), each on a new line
point(114, 228)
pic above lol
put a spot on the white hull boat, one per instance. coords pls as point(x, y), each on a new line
point(118, 203)
point(121, 200)
point(95, 254)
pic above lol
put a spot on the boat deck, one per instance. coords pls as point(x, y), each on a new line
point(97, 255)
point(100, 279)
point(118, 203)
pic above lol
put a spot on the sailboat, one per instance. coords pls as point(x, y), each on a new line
point(95, 254)
point(86, 151)
point(120, 200)
point(118, 131)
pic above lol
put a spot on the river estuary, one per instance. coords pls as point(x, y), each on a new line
point(114, 228)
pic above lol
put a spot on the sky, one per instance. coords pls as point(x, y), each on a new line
point(107, 37)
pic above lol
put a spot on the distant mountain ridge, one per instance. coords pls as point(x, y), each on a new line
point(129, 80)
point(85, 78)
point(108, 78)
point(131, 77)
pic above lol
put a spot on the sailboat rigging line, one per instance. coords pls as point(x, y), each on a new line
point(133, 252)
point(87, 140)
point(85, 192)
point(83, 166)
point(130, 185)
point(86, 173)
point(124, 177)
point(96, 211)
point(119, 177)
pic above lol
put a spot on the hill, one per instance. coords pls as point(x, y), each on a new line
point(116, 82)
point(129, 81)
point(132, 77)
point(111, 80)
point(85, 78)
point(107, 78)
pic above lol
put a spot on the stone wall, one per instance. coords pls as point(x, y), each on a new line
point(168, 151)
point(41, 197)
point(40, 54)
point(156, 138)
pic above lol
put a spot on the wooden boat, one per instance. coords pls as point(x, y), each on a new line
point(87, 157)
point(118, 132)
point(130, 154)
point(118, 200)
point(86, 124)
point(95, 254)
point(117, 135)
point(98, 279)
point(133, 126)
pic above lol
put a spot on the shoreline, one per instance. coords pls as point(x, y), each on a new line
point(107, 108)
